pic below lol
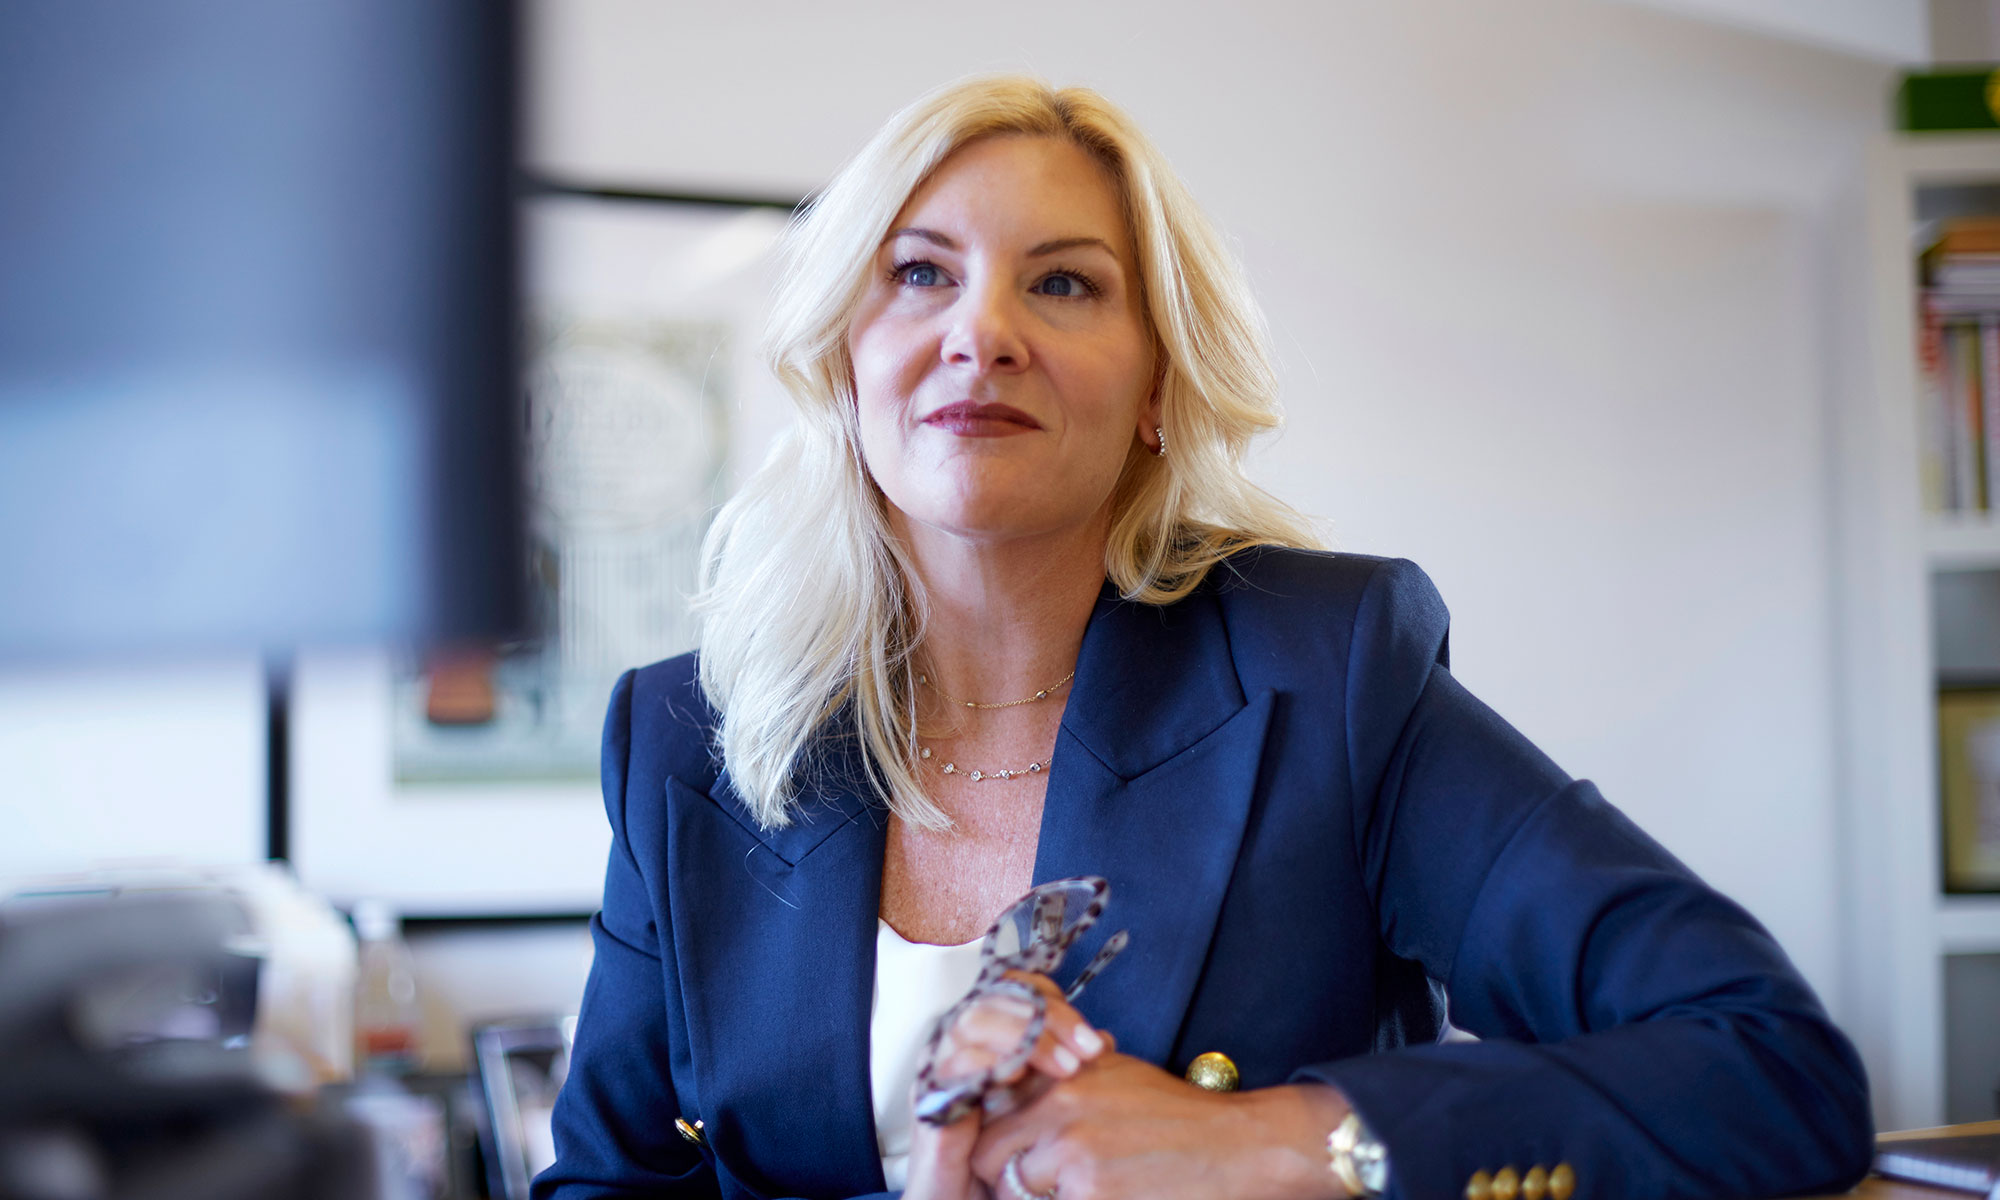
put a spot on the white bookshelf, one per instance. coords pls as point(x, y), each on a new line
point(1962, 543)
point(1968, 925)
point(1901, 925)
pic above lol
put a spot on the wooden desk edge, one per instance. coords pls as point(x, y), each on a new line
point(1971, 1130)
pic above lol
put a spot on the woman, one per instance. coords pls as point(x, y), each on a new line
point(1003, 609)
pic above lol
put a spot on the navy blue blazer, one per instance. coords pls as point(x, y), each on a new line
point(1304, 818)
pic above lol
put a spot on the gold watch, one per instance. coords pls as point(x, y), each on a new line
point(1358, 1158)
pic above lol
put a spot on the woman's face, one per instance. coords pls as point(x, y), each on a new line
point(1001, 363)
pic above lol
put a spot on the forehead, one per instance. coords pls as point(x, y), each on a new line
point(1016, 185)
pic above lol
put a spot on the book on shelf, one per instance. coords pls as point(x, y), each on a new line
point(1960, 361)
point(1984, 360)
point(1963, 237)
point(1937, 458)
point(1958, 356)
point(1965, 376)
point(1968, 726)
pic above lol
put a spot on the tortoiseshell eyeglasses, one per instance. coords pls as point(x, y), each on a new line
point(1032, 935)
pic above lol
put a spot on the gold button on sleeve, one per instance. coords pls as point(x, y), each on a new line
point(1535, 1184)
point(1479, 1187)
point(1213, 1072)
point(1562, 1181)
point(1506, 1183)
point(690, 1132)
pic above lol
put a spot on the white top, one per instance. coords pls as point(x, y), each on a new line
point(914, 984)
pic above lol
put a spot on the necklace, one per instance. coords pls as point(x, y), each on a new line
point(1041, 695)
point(978, 776)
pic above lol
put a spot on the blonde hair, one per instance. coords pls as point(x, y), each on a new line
point(810, 615)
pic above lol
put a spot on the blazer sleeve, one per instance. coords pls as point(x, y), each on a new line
point(1636, 1024)
point(614, 1119)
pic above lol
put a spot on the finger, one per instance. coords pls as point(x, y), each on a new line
point(989, 1032)
point(1057, 1056)
point(1046, 1114)
point(1055, 1107)
point(1027, 1175)
point(1004, 1098)
point(1036, 1143)
point(998, 1045)
point(940, 1161)
point(996, 1017)
point(995, 1030)
point(1065, 1024)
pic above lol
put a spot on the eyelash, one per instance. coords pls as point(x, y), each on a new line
point(1090, 286)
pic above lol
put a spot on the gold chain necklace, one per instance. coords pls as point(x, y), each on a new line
point(977, 775)
point(1041, 695)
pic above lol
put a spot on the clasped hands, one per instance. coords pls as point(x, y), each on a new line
point(1080, 1121)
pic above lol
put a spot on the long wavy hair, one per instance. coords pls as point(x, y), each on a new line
point(810, 613)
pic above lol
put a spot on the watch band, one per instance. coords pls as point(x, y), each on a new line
point(1358, 1159)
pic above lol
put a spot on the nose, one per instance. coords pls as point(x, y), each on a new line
point(985, 330)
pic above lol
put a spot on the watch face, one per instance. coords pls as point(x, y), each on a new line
point(1371, 1166)
point(1369, 1159)
point(1359, 1160)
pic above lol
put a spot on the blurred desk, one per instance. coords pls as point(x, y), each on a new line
point(1877, 1188)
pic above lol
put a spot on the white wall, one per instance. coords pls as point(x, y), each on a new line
point(1891, 30)
point(1541, 274)
point(150, 761)
point(1964, 31)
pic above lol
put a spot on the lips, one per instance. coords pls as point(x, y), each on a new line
point(968, 419)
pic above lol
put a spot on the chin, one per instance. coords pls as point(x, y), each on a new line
point(1003, 521)
point(985, 526)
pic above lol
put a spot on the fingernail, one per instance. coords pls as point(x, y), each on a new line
point(1088, 1041)
point(1065, 1061)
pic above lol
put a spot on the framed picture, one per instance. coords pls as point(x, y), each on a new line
point(1969, 771)
point(464, 782)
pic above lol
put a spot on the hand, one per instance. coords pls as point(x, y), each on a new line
point(941, 1162)
point(940, 1157)
point(1124, 1128)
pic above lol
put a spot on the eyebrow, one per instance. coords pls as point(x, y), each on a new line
point(1056, 246)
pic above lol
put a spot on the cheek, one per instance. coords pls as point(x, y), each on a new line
point(1124, 384)
point(881, 402)
point(875, 392)
point(888, 361)
point(877, 426)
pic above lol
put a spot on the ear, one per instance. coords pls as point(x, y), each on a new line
point(1150, 411)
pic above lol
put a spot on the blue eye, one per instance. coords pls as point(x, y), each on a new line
point(1067, 284)
point(920, 274)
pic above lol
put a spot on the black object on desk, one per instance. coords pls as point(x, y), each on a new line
point(522, 1065)
point(1964, 1164)
point(119, 1084)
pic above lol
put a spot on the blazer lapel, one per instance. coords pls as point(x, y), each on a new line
point(1154, 774)
point(775, 936)
point(1155, 770)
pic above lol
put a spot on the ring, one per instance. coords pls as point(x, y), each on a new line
point(1011, 1176)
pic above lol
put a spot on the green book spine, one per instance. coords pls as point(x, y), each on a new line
point(1942, 100)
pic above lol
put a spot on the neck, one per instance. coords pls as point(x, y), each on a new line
point(1006, 617)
